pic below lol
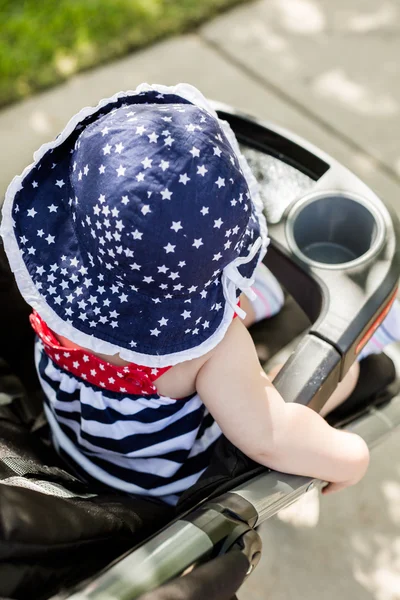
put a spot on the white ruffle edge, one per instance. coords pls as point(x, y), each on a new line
point(38, 302)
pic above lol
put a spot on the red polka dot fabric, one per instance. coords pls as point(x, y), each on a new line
point(131, 379)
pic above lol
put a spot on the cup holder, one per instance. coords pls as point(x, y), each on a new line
point(334, 229)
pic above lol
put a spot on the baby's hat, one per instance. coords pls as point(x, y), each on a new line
point(136, 229)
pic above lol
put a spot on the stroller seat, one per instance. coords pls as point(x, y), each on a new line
point(56, 529)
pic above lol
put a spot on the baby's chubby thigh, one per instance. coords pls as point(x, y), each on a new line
point(269, 297)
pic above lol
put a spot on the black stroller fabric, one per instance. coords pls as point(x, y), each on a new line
point(54, 528)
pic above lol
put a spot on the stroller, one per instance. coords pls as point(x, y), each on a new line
point(335, 249)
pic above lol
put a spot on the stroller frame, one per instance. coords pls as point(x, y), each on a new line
point(341, 322)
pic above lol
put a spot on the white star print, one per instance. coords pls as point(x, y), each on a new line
point(186, 314)
point(166, 194)
point(217, 151)
point(31, 212)
point(148, 279)
point(118, 148)
point(176, 226)
point(50, 239)
point(195, 152)
point(146, 209)
point(217, 256)
point(104, 131)
point(205, 210)
point(137, 235)
point(155, 332)
point(140, 130)
point(52, 208)
point(107, 149)
point(125, 200)
point(153, 137)
point(140, 177)
point(184, 178)
point(168, 141)
point(218, 223)
point(202, 170)
point(164, 164)
point(169, 248)
point(163, 321)
point(60, 183)
point(147, 163)
point(34, 184)
point(220, 182)
point(198, 243)
point(121, 170)
point(162, 269)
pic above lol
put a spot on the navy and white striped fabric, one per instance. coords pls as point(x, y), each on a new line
point(149, 445)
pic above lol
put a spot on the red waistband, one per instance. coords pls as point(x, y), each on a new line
point(132, 379)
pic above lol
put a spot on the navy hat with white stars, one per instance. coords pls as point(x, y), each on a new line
point(135, 231)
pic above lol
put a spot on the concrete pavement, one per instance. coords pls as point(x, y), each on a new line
point(328, 71)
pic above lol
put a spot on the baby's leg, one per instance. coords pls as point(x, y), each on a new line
point(269, 297)
point(343, 390)
point(387, 333)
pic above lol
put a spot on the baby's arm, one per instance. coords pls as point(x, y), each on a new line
point(287, 437)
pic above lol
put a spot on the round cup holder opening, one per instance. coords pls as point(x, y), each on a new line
point(334, 229)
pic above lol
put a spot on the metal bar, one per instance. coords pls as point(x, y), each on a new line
point(160, 559)
point(272, 492)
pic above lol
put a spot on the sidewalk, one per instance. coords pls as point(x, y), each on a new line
point(329, 73)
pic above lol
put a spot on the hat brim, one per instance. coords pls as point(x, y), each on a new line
point(137, 335)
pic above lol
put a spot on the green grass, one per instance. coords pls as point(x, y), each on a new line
point(43, 42)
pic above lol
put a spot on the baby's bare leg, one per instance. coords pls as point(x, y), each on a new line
point(250, 317)
point(342, 392)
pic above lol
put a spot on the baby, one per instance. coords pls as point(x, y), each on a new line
point(132, 236)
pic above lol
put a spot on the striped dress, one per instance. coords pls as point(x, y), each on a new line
point(110, 423)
